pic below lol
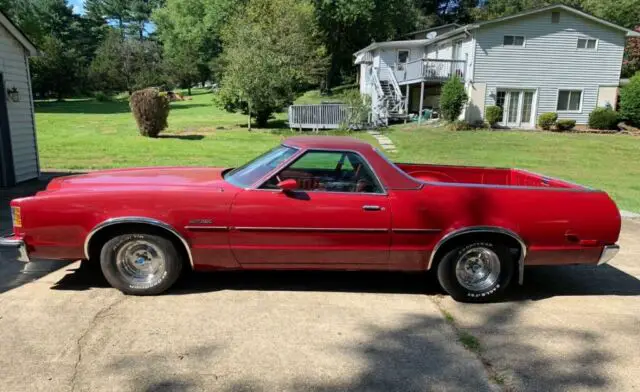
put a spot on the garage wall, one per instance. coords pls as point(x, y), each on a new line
point(14, 66)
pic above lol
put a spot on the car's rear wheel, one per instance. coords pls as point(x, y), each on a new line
point(476, 271)
point(140, 264)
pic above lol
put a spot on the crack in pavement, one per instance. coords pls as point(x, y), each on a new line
point(92, 324)
point(496, 380)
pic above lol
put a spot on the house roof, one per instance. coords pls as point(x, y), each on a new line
point(18, 34)
point(434, 28)
point(463, 29)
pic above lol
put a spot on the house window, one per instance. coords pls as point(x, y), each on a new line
point(569, 100)
point(500, 97)
point(513, 40)
point(555, 17)
point(584, 43)
point(403, 56)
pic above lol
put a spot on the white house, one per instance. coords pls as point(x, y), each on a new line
point(552, 59)
point(18, 150)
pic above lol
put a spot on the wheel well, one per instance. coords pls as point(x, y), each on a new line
point(510, 242)
point(99, 238)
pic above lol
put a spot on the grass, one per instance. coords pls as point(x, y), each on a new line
point(607, 162)
point(85, 134)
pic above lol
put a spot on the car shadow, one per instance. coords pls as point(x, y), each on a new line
point(540, 282)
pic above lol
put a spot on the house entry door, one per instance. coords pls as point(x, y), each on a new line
point(517, 108)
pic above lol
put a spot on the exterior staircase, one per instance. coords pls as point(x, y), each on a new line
point(391, 103)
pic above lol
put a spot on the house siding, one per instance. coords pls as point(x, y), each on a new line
point(14, 67)
point(549, 61)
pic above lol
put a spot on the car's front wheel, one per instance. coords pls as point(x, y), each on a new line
point(140, 264)
point(478, 271)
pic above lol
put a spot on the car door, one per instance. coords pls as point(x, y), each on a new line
point(337, 216)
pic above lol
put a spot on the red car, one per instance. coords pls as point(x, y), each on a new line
point(326, 203)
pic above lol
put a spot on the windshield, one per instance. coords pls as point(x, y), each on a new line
point(247, 174)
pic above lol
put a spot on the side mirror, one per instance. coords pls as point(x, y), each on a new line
point(289, 185)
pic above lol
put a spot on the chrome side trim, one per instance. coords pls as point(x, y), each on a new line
point(416, 231)
point(484, 229)
point(312, 229)
point(137, 219)
point(207, 228)
point(18, 244)
point(608, 253)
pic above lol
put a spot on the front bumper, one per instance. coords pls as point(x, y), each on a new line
point(17, 243)
point(608, 253)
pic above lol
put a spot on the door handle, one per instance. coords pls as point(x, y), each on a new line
point(372, 208)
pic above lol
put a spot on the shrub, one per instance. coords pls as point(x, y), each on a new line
point(102, 97)
point(359, 110)
point(460, 125)
point(604, 118)
point(630, 100)
point(547, 120)
point(452, 99)
point(565, 125)
point(150, 109)
point(493, 115)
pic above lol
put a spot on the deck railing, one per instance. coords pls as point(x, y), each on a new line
point(320, 116)
point(430, 70)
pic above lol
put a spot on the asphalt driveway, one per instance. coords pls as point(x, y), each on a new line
point(574, 328)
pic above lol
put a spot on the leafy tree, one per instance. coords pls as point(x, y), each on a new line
point(126, 64)
point(631, 63)
point(347, 26)
point(271, 52)
point(190, 31)
point(491, 9)
point(57, 70)
point(621, 12)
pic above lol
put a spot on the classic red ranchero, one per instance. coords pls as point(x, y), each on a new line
point(318, 203)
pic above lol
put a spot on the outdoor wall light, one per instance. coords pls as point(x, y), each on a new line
point(13, 94)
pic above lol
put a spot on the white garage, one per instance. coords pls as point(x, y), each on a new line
point(18, 149)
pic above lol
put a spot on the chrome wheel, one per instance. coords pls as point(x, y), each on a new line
point(478, 269)
point(141, 263)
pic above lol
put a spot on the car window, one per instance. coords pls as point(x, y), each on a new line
point(254, 170)
point(329, 171)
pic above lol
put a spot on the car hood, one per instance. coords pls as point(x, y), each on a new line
point(153, 176)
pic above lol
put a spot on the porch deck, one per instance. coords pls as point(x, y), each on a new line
point(429, 70)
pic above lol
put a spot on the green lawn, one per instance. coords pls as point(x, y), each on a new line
point(608, 162)
point(84, 134)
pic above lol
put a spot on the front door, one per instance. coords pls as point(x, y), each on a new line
point(517, 108)
point(338, 216)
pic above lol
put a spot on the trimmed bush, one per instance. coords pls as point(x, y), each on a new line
point(452, 99)
point(565, 125)
point(460, 125)
point(604, 118)
point(493, 115)
point(630, 100)
point(547, 120)
point(150, 108)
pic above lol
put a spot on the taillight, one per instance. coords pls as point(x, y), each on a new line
point(16, 216)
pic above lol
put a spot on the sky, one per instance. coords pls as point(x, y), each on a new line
point(78, 6)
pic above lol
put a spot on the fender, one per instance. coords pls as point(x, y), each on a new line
point(484, 229)
point(139, 220)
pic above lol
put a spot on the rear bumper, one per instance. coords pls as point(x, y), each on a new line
point(17, 243)
point(608, 253)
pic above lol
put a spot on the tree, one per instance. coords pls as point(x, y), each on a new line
point(126, 64)
point(190, 32)
point(131, 17)
point(348, 26)
point(491, 9)
point(271, 53)
point(57, 70)
point(625, 13)
point(631, 63)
